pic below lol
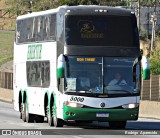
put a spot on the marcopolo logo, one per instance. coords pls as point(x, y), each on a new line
point(102, 104)
point(34, 51)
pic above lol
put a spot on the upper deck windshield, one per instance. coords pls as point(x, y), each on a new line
point(101, 75)
point(101, 30)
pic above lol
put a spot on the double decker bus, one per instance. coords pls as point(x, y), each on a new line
point(64, 60)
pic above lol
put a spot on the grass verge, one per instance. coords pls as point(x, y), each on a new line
point(6, 46)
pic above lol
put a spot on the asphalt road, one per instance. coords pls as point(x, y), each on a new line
point(9, 120)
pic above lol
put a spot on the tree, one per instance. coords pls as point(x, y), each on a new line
point(155, 59)
point(21, 6)
point(155, 62)
point(77, 2)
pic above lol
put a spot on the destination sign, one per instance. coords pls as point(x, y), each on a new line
point(81, 59)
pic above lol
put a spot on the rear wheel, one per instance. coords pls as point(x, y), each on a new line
point(20, 111)
point(29, 117)
point(23, 110)
point(57, 122)
point(117, 124)
point(49, 116)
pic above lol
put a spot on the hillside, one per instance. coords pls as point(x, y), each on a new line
point(7, 21)
point(6, 47)
point(1, 4)
point(7, 67)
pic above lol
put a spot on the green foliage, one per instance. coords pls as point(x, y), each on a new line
point(25, 5)
point(39, 5)
point(155, 60)
point(149, 2)
point(114, 2)
point(6, 46)
point(21, 6)
point(67, 2)
point(77, 2)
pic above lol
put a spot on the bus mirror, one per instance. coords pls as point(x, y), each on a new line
point(138, 59)
point(60, 66)
point(146, 68)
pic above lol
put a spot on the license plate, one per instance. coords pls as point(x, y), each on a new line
point(102, 115)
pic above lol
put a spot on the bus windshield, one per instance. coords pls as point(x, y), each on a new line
point(101, 75)
point(100, 30)
point(84, 74)
point(118, 75)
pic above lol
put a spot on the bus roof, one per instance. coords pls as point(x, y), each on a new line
point(82, 10)
point(95, 9)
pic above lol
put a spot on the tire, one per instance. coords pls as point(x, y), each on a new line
point(20, 110)
point(56, 121)
point(49, 117)
point(117, 124)
point(23, 110)
point(29, 117)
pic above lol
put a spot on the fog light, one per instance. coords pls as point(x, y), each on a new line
point(72, 114)
point(67, 113)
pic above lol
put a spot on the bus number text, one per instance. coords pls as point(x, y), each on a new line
point(78, 99)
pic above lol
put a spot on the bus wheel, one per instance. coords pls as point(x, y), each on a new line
point(57, 122)
point(117, 124)
point(23, 110)
point(49, 117)
point(20, 111)
point(29, 117)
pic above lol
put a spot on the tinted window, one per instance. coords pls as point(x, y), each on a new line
point(100, 30)
point(38, 73)
point(84, 74)
point(40, 28)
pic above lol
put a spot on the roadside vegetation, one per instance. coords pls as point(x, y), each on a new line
point(6, 46)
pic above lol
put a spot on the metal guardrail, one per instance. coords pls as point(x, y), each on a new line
point(151, 89)
point(6, 80)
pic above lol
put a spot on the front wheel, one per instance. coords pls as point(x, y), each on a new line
point(117, 124)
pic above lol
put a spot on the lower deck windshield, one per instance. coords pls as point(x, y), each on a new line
point(100, 75)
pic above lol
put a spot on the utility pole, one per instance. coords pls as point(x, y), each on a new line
point(138, 19)
point(153, 20)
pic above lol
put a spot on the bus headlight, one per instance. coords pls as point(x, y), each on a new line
point(73, 104)
point(130, 106)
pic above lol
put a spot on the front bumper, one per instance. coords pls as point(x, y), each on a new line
point(70, 113)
